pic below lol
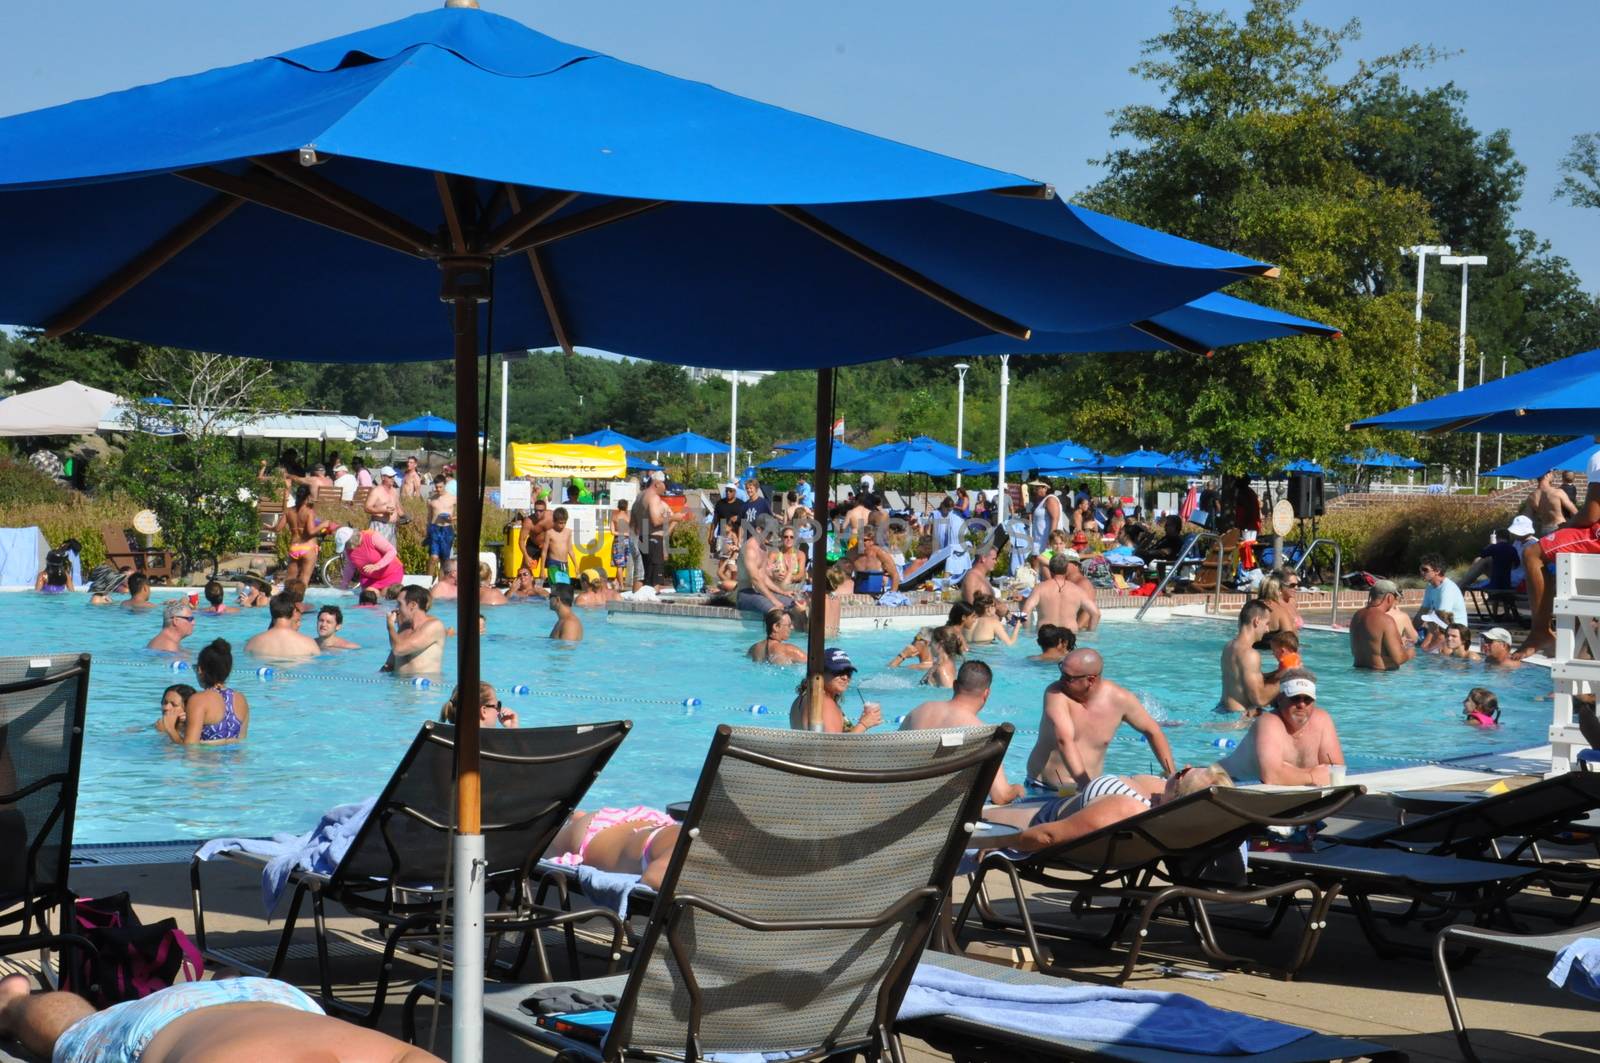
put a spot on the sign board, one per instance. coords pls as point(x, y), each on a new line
point(369, 430)
point(516, 494)
point(1282, 517)
point(567, 459)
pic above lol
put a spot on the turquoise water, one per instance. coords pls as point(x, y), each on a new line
point(329, 730)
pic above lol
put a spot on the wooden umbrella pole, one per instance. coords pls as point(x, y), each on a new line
point(817, 622)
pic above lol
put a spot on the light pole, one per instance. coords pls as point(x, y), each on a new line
point(1422, 251)
point(1005, 395)
point(505, 388)
point(1466, 262)
point(1500, 440)
point(1477, 440)
point(733, 424)
point(961, 409)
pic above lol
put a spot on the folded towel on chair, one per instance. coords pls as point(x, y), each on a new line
point(318, 851)
point(1577, 968)
point(1169, 1021)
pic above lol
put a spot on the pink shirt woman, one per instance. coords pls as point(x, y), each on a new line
point(372, 561)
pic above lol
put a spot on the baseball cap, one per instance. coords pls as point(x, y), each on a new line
point(1497, 634)
point(387, 470)
point(1521, 525)
point(1037, 483)
point(342, 537)
point(1386, 586)
point(1299, 687)
point(1431, 617)
point(836, 662)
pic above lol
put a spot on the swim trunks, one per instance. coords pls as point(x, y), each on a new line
point(121, 1033)
point(755, 602)
point(1571, 541)
point(441, 537)
point(559, 575)
point(871, 583)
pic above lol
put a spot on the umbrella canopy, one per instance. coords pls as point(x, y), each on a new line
point(686, 443)
point(605, 437)
point(1138, 463)
point(1199, 327)
point(1373, 458)
point(899, 459)
point(1571, 456)
point(426, 425)
point(944, 450)
point(1067, 449)
point(1554, 399)
point(797, 444)
point(804, 460)
point(636, 464)
point(66, 409)
point(1304, 465)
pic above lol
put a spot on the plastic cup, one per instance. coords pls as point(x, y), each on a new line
point(1336, 774)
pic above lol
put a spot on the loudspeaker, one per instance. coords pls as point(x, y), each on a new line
point(1305, 493)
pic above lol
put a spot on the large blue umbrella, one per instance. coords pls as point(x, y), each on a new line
point(1067, 449)
point(1554, 399)
point(900, 459)
point(1030, 459)
point(426, 425)
point(1303, 465)
point(1571, 456)
point(1373, 458)
point(944, 450)
point(686, 443)
point(605, 437)
point(1136, 463)
point(805, 459)
point(320, 203)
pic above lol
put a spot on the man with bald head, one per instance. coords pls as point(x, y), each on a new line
point(1082, 711)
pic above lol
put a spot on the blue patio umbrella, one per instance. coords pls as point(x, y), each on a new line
point(901, 460)
point(426, 425)
point(605, 437)
point(805, 460)
point(686, 443)
point(797, 444)
point(636, 464)
point(1303, 465)
point(1136, 463)
point(942, 449)
point(1571, 456)
point(1553, 399)
point(320, 203)
point(1067, 449)
point(1373, 458)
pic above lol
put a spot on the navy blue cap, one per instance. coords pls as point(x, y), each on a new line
point(836, 662)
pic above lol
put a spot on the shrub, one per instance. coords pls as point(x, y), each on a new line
point(686, 549)
point(1391, 539)
point(21, 483)
point(77, 517)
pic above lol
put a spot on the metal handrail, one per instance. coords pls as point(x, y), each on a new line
point(1183, 555)
point(1338, 572)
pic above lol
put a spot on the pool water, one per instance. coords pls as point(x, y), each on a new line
point(328, 731)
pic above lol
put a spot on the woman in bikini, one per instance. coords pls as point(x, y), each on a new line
point(630, 841)
point(216, 714)
point(305, 536)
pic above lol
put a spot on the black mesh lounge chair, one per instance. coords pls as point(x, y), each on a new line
point(395, 868)
point(1181, 853)
point(1545, 946)
point(42, 705)
point(968, 1041)
point(807, 877)
point(1539, 812)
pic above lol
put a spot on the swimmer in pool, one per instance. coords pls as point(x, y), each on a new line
point(172, 719)
point(1244, 688)
point(1482, 708)
point(330, 618)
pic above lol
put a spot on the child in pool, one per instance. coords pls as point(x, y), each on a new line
point(1482, 708)
point(173, 700)
point(1285, 646)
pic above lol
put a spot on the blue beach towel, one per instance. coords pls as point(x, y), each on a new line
point(1577, 968)
point(22, 553)
point(1169, 1021)
point(318, 851)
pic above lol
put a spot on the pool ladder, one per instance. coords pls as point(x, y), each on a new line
point(1184, 555)
point(1338, 572)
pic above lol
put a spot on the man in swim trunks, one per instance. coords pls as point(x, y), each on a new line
point(1550, 506)
point(756, 592)
point(556, 557)
point(967, 698)
point(220, 1020)
point(1580, 535)
point(1244, 689)
point(776, 647)
point(383, 507)
point(1497, 649)
point(1294, 744)
point(1082, 712)
point(1061, 602)
point(535, 526)
point(416, 640)
point(568, 627)
point(177, 623)
point(282, 637)
point(138, 588)
point(411, 480)
point(441, 524)
point(976, 581)
point(1375, 641)
point(872, 569)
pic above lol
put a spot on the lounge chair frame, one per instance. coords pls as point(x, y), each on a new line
point(1120, 865)
point(32, 903)
point(1547, 945)
point(407, 905)
point(914, 913)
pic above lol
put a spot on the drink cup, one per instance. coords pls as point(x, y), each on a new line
point(1336, 774)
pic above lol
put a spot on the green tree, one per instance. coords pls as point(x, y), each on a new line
point(1251, 148)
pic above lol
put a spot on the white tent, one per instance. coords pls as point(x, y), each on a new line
point(68, 409)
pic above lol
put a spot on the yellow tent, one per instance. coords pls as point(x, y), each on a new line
point(567, 459)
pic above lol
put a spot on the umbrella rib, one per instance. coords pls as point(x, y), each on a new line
point(989, 319)
point(546, 293)
point(516, 226)
point(1040, 191)
point(142, 265)
point(286, 199)
point(573, 224)
point(1171, 338)
point(452, 216)
point(343, 199)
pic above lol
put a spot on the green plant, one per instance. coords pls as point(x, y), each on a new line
point(21, 483)
point(195, 487)
point(77, 518)
point(1390, 540)
point(685, 549)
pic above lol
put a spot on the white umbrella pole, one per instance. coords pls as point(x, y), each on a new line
point(733, 424)
point(1000, 473)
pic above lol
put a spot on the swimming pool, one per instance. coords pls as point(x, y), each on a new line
point(330, 730)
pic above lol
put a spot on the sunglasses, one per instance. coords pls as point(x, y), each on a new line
point(1068, 677)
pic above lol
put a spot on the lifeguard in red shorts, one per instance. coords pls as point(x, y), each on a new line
point(1580, 535)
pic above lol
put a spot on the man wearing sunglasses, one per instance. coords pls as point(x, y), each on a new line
point(1082, 712)
point(1295, 744)
point(177, 623)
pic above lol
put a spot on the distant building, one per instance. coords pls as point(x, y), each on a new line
point(746, 377)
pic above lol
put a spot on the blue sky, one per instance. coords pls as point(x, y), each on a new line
point(1023, 85)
